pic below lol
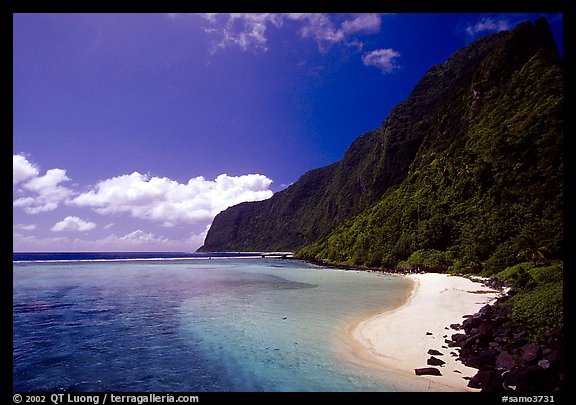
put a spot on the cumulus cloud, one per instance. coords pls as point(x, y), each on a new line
point(133, 241)
point(45, 193)
point(50, 180)
point(73, 224)
point(22, 169)
point(159, 200)
point(248, 31)
point(382, 59)
point(487, 25)
point(168, 202)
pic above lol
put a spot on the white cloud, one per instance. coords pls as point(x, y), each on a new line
point(50, 180)
point(22, 169)
point(137, 237)
point(366, 23)
point(23, 227)
point(169, 202)
point(160, 200)
point(248, 31)
point(73, 224)
point(133, 241)
point(325, 32)
point(139, 240)
point(382, 59)
point(47, 192)
point(486, 25)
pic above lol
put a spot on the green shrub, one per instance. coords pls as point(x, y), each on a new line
point(548, 274)
point(510, 274)
point(538, 310)
point(429, 260)
point(537, 306)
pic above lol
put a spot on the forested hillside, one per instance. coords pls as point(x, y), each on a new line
point(464, 175)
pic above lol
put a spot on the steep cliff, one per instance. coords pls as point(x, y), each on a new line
point(483, 197)
point(467, 167)
point(324, 198)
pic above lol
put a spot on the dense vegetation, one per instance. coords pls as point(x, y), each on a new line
point(537, 305)
point(481, 200)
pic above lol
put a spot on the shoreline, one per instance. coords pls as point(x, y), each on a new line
point(396, 342)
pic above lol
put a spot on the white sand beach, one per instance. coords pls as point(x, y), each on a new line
point(397, 341)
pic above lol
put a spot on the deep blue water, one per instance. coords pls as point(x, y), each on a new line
point(226, 324)
point(93, 256)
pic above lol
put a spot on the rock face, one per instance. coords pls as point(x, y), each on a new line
point(479, 136)
point(509, 363)
point(323, 198)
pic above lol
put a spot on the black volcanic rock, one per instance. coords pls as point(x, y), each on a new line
point(510, 365)
point(433, 361)
point(427, 371)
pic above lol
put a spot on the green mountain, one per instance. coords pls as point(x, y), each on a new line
point(465, 174)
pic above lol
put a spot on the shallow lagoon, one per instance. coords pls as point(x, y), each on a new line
point(192, 325)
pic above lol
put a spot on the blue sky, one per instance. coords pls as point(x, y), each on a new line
point(132, 131)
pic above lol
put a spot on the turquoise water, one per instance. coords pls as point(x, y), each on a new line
point(192, 325)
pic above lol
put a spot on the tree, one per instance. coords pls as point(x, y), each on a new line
point(531, 250)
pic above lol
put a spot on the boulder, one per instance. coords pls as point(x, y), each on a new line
point(452, 343)
point(534, 379)
point(427, 371)
point(545, 364)
point(471, 323)
point(457, 337)
point(433, 361)
point(485, 328)
point(434, 352)
point(504, 361)
point(483, 379)
point(481, 359)
point(485, 310)
point(520, 338)
point(531, 352)
point(555, 358)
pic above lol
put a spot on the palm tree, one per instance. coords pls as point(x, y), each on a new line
point(531, 250)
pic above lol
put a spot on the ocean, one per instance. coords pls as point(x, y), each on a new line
point(150, 322)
